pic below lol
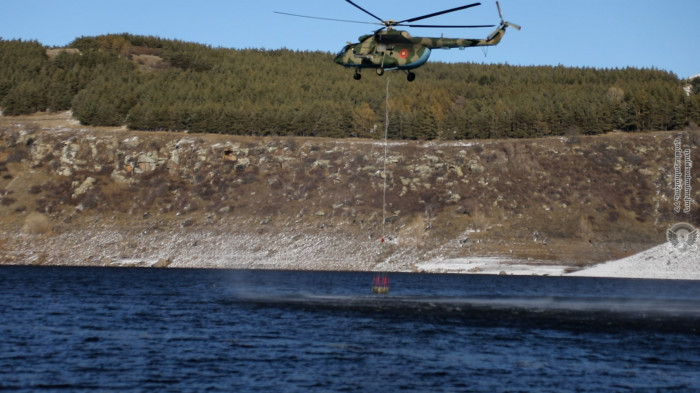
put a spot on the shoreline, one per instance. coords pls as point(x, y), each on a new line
point(284, 251)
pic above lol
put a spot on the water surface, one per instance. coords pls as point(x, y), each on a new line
point(109, 329)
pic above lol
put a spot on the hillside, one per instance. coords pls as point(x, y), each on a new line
point(72, 194)
point(149, 83)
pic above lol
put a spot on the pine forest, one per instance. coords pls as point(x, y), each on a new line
point(150, 83)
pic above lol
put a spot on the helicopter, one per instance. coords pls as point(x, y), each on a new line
point(388, 49)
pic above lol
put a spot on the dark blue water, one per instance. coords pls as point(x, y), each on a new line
point(99, 329)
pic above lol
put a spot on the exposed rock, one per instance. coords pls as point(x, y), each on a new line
point(162, 263)
point(36, 224)
point(423, 171)
point(131, 143)
point(242, 163)
point(86, 186)
point(476, 168)
point(166, 190)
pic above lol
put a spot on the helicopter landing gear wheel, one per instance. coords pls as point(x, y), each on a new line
point(357, 75)
point(410, 76)
point(380, 71)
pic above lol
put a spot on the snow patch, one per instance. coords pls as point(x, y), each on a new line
point(491, 265)
point(661, 262)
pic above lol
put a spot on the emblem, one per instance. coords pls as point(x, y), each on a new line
point(682, 237)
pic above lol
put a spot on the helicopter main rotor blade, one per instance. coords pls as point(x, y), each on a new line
point(366, 12)
point(437, 13)
point(331, 19)
point(451, 26)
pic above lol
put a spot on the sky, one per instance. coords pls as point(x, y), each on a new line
point(580, 33)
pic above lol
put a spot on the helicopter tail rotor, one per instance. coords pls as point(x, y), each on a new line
point(513, 25)
point(503, 22)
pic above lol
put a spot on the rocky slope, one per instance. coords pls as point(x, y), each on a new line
point(73, 195)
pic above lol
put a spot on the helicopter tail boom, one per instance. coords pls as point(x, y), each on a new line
point(493, 39)
point(448, 43)
point(497, 35)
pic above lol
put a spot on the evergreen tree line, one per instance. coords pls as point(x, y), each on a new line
point(149, 83)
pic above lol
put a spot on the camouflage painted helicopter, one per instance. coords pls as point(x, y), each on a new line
point(388, 49)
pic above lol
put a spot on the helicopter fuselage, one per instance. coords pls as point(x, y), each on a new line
point(393, 50)
point(398, 50)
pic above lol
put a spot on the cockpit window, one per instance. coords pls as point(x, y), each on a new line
point(344, 50)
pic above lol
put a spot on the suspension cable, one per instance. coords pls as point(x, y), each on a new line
point(386, 137)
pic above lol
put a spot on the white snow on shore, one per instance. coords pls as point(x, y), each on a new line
point(491, 265)
point(320, 251)
point(661, 262)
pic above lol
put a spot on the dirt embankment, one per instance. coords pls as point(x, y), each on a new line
point(85, 196)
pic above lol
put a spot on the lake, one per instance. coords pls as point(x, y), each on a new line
point(192, 330)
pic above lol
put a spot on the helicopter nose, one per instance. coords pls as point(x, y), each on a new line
point(340, 57)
